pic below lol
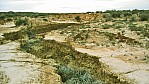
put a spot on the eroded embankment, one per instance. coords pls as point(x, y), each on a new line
point(31, 31)
point(65, 54)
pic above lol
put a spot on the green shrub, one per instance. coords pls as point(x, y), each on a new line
point(9, 19)
point(45, 19)
point(147, 45)
point(107, 16)
point(2, 16)
point(141, 29)
point(78, 18)
point(146, 26)
point(144, 16)
point(134, 18)
point(73, 76)
point(21, 22)
point(119, 26)
point(29, 32)
point(116, 14)
point(106, 26)
point(135, 28)
point(84, 26)
point(27, 46)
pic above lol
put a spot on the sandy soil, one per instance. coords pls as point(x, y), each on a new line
point(6, 28)
point(19, 67)
point(125, 61)
point(65, 22)
point(57, 38)
point(22, 67)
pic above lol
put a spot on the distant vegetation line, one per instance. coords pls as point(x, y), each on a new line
point(115, 13)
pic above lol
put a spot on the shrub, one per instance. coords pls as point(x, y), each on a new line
point(134, 28)
point(84, 26)
point(106, 26)
point(147, 26)
point(119, 26)
point(29, 32)
point(9, 19)
point(107, 16)
point(144, 17)
point(147, 45)
point(134, 18)
point(2, 17)
point(27, 45)
point(21, 22)
point(45, 19)
point(78, 18)
point(115, 14)
point(73, 76)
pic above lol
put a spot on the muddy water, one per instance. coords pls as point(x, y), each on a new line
point(20, 67)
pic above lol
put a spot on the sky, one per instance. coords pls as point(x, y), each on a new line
point(71, 6)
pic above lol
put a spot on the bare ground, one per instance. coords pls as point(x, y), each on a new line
point(22, 67)
point(126, 61)
point(17, 67)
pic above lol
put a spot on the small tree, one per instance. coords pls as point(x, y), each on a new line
point(78, 18)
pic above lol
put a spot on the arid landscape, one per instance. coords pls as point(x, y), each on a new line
point(110, 47)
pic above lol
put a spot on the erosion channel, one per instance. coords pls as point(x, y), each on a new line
point(26, 57)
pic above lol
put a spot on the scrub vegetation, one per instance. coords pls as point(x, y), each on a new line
point(90, 41)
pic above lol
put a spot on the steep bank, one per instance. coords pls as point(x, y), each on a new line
point(63, 53)
point(71, 17)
